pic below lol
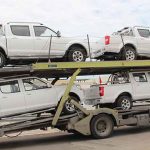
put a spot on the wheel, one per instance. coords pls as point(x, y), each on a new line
point(76, 54)
point(128, 53)
point(101, 126)
point(68, 107)
point(2, 60)
point(124, 102)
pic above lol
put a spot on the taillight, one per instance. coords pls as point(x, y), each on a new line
point(107, 40)
point(101, 91)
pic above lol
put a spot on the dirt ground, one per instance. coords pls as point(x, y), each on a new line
point(125, 138)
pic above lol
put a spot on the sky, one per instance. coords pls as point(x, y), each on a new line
point(78, 17)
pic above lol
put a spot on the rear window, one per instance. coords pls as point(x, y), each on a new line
point(20, 30)
point(144, 33)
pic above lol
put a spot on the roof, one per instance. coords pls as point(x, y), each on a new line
point(19, 23)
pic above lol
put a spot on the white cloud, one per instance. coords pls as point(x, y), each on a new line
point(78, 17)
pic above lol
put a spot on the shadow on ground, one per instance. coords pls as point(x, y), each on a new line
point(59, 138)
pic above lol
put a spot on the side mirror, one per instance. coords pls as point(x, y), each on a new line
point(58, 34)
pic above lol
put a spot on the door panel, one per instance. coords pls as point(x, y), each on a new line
point(20, 41)
point(141, 86)
point(43, 37)
point(12, 99)
point(38, 95)
point(143, 40)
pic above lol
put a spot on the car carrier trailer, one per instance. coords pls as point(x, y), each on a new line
point(100, 122)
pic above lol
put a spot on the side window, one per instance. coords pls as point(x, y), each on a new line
point(140, 77)
point(41, 31)
point(119, 78)
point(9, 87)
point(34, 84)
point(20, 30)
point(144, 33)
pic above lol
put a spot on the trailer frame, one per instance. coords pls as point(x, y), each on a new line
point(84, 121)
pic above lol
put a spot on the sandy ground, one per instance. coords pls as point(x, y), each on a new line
point(124, 138)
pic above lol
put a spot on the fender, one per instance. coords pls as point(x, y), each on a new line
point(133, 43)
point(83, 43)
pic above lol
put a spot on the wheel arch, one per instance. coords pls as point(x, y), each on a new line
point(74, 95)
point(107, 114)
point(76, 45)
point(130, 45)
point(123, 94)
point(3, 51)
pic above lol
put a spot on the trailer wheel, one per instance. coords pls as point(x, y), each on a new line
point(124, 102)
point(101, 126)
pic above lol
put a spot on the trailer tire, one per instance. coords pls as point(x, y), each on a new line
point(101, 126)
point(124, 102)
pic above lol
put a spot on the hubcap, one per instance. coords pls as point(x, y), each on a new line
point(125, 104)
point(70, 107)
point(130, 55)
point(78, 56)
point(101, 126)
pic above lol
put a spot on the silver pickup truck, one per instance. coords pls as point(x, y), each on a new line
point(121, 89)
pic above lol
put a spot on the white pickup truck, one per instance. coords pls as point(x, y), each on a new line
point(29, 94)
point(121, 90)
point(134, 44)
point(31, 41)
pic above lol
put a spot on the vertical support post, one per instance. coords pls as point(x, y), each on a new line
point(89, 47)
point(124, 50)
point(65, 97)
point(49, 52)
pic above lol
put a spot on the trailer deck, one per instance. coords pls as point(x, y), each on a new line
point(66, 69)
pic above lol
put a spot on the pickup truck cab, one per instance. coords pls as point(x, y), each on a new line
point(29, 94)
point(23, 41)
point(129, 43)
point(121, 89)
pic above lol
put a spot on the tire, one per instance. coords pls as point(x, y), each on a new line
point(128, 53)
point(68, 107)
point(101, 126)
point(76, 54)
point(2, 60)
point(124, 102)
